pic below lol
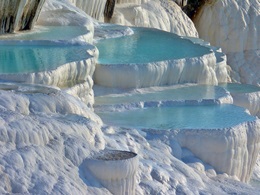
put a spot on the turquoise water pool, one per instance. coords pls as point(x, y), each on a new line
point(147, 45)
point(48, 33)
point(240, 88)
point(25, 57)
point(179, 117)
point(185, 92)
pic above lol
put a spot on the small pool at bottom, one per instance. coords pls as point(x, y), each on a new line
point(179, 117)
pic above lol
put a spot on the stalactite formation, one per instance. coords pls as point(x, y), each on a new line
point(109, 8)
point(31, 12)
point(18, 14)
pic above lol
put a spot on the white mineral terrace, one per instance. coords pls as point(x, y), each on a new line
point(173, 139)
point(148, 64)
point(224, 136)
point(54, 55)
point(188, 94)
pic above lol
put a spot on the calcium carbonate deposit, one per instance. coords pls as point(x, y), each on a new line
point(74, 122)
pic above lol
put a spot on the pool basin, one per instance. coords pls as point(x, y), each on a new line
point(224, 135)
point(27, 57)
point(54, 33)
point(49, 63)
point(151, 57)
point(179, 117)
point(188, 94)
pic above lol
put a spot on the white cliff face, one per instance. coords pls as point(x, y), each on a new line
point(234, 26)
point(94, 8)
point(164, 15)
point(19, 15)
point(230, 24)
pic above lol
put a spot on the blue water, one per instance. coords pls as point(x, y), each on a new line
point(48, 33)
point(22, 58)
point(147, 45)
point(196, 92)
point(240, 88)
point(179, 117)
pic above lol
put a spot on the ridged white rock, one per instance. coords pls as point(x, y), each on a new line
point(231, 150)
point(234, 26)
point(164, 15)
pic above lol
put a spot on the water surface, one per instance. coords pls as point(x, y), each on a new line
point(179, 117)
point(147, 45)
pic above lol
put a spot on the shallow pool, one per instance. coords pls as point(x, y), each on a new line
point(177, 93)
point(25, 57)
point(240, 88)
point(179, 117)
point(48, 33)
point(147, 45)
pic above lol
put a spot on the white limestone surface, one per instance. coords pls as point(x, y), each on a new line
point(234, 26)
point(82, 90)
point(62, 76)
point(44, 138)
point(250, 101)
point(199, 70)
point(94, 8)
point(231, 150)
point(164, 15)
point(46, 135)
point(245, 66)
point(63, 13)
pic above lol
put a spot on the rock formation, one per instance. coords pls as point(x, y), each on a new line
point(19, 14)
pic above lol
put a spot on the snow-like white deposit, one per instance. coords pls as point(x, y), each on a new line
point(232, 150)
point(234, 26)
point(61, 76)
point(250, 101)
point(63, 13)
point(94, 8)
point(199, 70)
point(60, 23)
point(46, 135)
point(164, 15)
point(45, 138)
